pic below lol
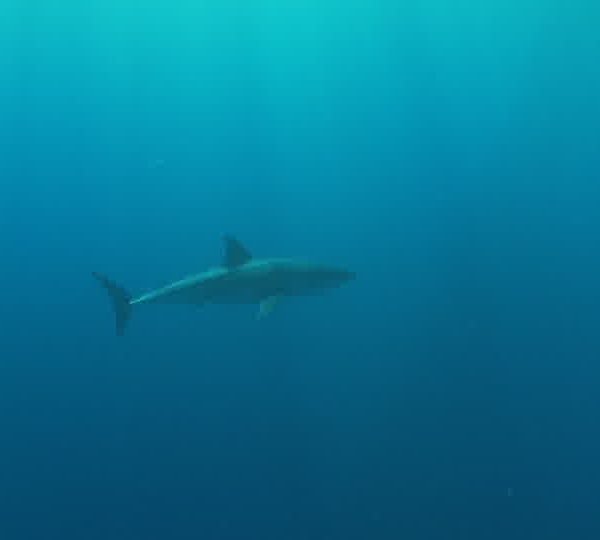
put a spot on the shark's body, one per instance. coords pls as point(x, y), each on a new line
point(240, 280)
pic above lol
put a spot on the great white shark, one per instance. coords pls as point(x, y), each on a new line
point(241, 279)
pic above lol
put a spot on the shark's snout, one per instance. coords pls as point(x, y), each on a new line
point(350, 275)
point(345, 275)
point(342, 276)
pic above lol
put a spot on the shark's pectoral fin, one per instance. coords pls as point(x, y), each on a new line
point(235, 253)
point(267, 306)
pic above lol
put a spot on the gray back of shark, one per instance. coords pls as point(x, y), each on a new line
point(241, 279)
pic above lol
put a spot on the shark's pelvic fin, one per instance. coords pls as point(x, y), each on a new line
point(267, 306)
point(120, 300)
point(235, 253)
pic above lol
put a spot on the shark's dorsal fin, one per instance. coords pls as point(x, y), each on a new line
point(267, 306)
point(235, 253)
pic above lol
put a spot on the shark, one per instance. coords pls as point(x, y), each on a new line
point(240, 279)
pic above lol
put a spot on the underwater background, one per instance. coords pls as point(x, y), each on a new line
point(446, 151)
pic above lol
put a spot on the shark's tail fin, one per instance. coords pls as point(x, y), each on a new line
point(120, 300)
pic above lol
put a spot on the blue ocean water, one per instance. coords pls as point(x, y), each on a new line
point(446, 151)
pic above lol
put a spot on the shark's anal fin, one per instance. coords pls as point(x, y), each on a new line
point(235, 253)
point(267, 306)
